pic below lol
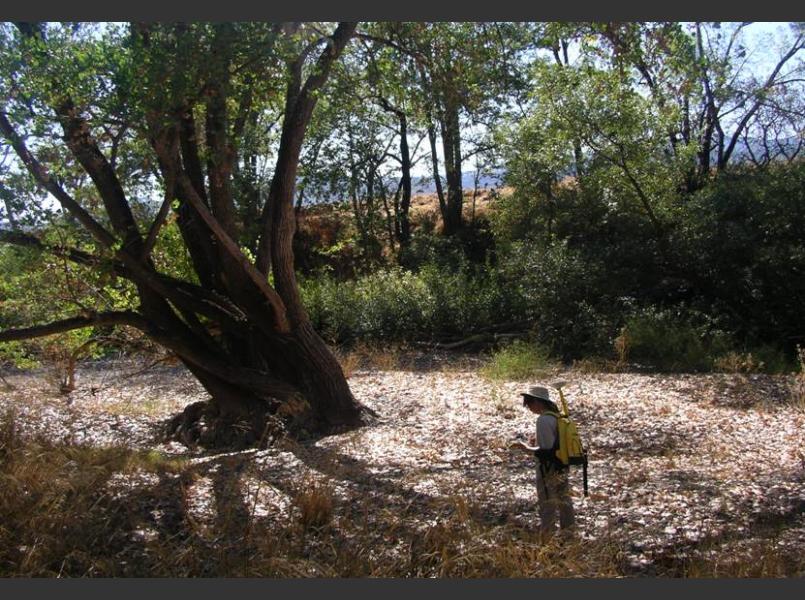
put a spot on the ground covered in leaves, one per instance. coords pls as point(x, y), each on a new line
point(689, 475)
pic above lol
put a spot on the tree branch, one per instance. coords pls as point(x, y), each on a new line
point(85, 149)
point(42, 176)
point(159, 221)
point(278, 220)
point(18, 238)
point(108, 318)
point(232, 248)
point(182, 293)
point(770, 81)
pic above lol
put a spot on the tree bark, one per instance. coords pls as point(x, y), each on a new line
point(451, 142)
point(437, 178)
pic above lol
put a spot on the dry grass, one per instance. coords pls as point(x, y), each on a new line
point(56, 519)
point(149, 407)
point(502, 402)
point(797, 391)
point(756, 559)
point(589, 366)
point(350, 361)
point(75, 510)
point(314, 501)
point(371, 355)
point(738, 362)
point(62, 516)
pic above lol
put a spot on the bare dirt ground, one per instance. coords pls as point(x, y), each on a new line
point(680, 464)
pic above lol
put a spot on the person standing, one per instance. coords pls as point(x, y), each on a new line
point(553, 488)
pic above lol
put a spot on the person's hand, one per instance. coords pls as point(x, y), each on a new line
point(520, 445)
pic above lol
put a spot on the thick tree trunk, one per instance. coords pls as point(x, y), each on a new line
point(316, 397)
point(311, 366)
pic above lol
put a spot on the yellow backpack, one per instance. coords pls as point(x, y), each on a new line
point(570, 449)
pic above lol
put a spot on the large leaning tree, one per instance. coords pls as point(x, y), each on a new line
point(209, 119)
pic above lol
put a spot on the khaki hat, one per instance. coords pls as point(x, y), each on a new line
point(540, 393)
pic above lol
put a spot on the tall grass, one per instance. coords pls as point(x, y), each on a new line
point(520, 361)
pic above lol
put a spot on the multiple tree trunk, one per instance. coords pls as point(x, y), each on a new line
point(249, 342)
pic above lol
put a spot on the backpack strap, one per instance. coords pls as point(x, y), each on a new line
point(557, 416)
point(548, 456)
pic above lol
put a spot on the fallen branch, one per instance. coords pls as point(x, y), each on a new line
point(473, 340)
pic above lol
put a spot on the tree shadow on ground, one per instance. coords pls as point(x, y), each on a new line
point(145, 524)
point(765, 525)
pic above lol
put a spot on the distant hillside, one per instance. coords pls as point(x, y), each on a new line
point(426, 185)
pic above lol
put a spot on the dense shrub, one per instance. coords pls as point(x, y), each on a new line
point(744, 237)
point(403, 305)
point(671, 341)
point(565, 296)
point(733, 251)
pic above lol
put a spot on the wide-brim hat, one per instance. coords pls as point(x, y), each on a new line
point(539, 393)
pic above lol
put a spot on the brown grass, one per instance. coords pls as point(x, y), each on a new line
point(756, 559)
point(738, 362)
point(371, 355)
point(598, 365)
point(314, 501)
point(797, 390)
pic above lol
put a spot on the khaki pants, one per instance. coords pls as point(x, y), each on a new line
point(553, 492)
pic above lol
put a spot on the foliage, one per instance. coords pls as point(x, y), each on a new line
point(744, 241)
point(669, 341)
point(403, 305)
point(38, 287)
point(567, 297)
point(519, 361)
point(626, 149)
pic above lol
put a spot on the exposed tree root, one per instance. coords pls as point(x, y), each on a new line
point(203, 425)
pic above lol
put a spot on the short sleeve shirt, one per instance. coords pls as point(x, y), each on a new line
point(547, 430)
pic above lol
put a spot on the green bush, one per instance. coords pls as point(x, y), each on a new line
point(743, 239)
point(520, 361)
point(388, 304)
point(396, 304)
point(565, 297)
point(671, 341)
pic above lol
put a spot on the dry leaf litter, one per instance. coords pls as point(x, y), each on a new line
point(678, 463)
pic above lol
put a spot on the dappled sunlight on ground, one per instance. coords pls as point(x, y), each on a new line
point(679, 464)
